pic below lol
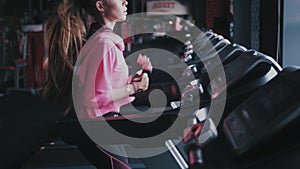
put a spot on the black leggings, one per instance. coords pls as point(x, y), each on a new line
point(101, 158)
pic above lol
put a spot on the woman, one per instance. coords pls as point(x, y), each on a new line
point(102, 84)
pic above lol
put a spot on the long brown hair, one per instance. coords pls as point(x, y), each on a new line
point(65, 32)
point(64, 37)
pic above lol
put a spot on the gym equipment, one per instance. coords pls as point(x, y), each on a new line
point(267, 112)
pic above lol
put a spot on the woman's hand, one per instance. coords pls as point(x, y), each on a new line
point(145, 62)
point(140, 83)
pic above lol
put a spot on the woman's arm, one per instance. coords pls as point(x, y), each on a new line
point(104, 79)
point(131, 88)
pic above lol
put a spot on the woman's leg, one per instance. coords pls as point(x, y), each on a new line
point(101, 159)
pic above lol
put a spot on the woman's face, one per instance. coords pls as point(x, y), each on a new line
point(116, 10)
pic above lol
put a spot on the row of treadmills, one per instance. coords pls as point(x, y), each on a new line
point(217, 105)
point(233, 107)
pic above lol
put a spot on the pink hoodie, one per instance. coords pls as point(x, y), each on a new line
point(100, 67)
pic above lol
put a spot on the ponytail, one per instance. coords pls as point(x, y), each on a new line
point(64, 37)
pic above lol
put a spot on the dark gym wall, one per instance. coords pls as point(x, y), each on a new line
point(268, 27)
point(242, 25)
point(268, 21)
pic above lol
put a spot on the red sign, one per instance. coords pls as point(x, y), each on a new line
point(166, 7)
point(165, 4)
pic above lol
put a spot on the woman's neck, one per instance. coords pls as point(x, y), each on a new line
point(109, 24)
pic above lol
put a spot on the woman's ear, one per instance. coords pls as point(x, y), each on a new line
point(100, 6)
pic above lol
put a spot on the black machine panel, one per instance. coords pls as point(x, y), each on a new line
point(265, 113)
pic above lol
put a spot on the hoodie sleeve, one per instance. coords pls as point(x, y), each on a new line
point(103, 81)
